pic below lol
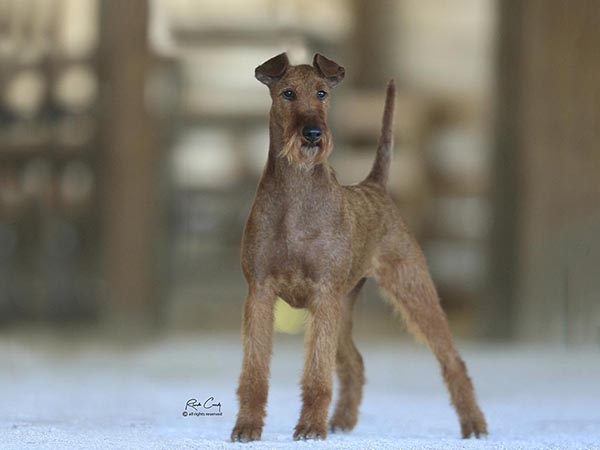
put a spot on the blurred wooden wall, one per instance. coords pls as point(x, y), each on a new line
point(547, 238)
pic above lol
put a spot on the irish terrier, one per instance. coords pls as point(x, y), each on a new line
point(313, 242)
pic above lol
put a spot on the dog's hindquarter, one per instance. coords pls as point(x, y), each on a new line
point(376, 223)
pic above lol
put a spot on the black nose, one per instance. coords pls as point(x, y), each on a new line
point(311, 134)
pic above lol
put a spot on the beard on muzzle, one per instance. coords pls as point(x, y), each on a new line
point(303, 154)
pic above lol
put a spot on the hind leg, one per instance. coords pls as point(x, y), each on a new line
point(349, 368)
point(406, 282)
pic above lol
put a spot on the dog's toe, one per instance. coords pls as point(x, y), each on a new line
point(341, 424)
point(475, 426)
point(246, 433)
point(309, 432)
point(338, 429)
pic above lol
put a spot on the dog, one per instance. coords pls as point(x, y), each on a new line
point(313, 242)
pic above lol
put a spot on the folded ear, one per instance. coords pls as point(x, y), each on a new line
point(272, 70)
point(330, 70)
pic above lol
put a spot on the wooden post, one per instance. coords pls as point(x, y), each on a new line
point(375, 44)
point(131, 157)
point(553, 150)
point(499, 313)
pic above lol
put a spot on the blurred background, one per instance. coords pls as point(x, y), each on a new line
point(133, 133)
point(132, 136)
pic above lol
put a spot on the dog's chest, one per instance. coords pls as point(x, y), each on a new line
point(298, 243)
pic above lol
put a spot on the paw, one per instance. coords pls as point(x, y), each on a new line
point(473, 426)
point(306, 431)
point(341, 422)
point(246, 433)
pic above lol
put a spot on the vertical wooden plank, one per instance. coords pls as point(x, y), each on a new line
point(556, 249)
point(561, 182)
point(131, 163)
point(375, 44)
point(498, 316)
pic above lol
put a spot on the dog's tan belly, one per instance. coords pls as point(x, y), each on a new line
point(295, 302)
point(294, 288)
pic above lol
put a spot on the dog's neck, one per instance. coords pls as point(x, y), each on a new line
point(286, 173)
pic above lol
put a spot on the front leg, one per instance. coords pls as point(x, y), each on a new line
point(257, 335)
point(317, 380)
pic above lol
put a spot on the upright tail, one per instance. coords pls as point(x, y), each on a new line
point(381, 165)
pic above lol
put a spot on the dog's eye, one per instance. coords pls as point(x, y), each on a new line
point(321, 94)
point(288, 94)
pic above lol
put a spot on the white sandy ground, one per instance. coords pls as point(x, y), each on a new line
point(95, 396)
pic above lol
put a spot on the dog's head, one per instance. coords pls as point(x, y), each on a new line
point(300, 101)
